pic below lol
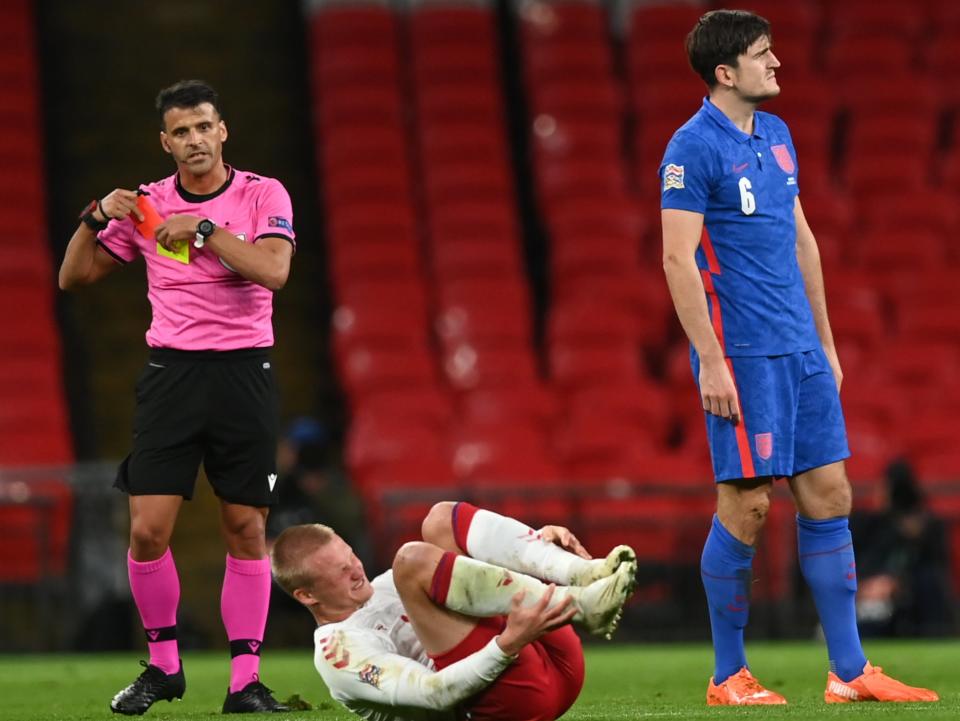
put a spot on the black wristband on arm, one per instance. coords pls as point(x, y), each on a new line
point(86, 217)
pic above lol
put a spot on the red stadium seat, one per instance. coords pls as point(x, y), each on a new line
point(925, 371)
point(862, 324)
point(456, 103)
point(928, 433)
point(371, 222)
point(482, 326)
point(574, 255)
point(553, 22)
point(369, 260)
point(468, 368)
point(877, 16)
point(864, 55)
point(461, 141)
point(447, 24)
point(567, 178)
point(476, 64)
point(585, 216)
point(554, 137)
point(581, 100)
point(368, 183)
point(401, 292)
point(534, 404)
point(872, 450)
point(576, 60)
point(453, 259)
point(583, 321)
point(509, 294)
point(598, 448)
point(355, 105)
point(875, 97)
point(902, 132)
point(661, 20)
point(869, 173)
point(659, 60)
point(458, 181)
point(932, 321)
point(643, 291)
point(35, 523)
point(355, 64)
point(378, 326)
point(366, 24)
point(426, 406)
point(942, 55)
point(577, 366)
point(644, 406)
point(366, 143)
point(364, 371)
point(933, 211)
point(886, 248)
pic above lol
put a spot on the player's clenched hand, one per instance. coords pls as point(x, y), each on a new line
point(565, 539)
point(717, 390)
point(527, 624)
point(177, 230)
point(119, 204)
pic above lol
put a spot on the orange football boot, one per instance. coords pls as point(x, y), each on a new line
point(742, 689)
point(873, 685)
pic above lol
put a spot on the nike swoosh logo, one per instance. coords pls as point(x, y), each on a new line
point(739, 168)
point(734, 609)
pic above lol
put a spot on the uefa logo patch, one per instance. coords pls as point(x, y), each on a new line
point(673, 177)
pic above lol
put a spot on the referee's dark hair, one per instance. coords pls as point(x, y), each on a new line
point(720, 37)
point(186, 94)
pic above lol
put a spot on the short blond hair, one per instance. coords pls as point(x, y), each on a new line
point(291, 548)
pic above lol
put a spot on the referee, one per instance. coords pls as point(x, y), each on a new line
point(217, 242)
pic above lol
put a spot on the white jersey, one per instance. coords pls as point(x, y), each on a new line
point(374, 664)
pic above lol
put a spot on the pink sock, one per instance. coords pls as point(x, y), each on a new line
point(156, 591)
point(244, 603)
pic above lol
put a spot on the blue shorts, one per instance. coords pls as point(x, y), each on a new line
point(790, 418)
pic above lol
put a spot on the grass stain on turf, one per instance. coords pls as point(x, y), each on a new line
point(623, 682)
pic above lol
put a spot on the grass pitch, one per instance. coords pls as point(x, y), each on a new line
point(623, 682)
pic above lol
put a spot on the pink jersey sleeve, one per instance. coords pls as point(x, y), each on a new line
point(274, 212)
point(117, 239)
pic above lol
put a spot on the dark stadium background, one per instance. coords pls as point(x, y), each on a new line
point(476, 308)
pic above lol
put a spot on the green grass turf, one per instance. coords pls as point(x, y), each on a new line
point(623, 682)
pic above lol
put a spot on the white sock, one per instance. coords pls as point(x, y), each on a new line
point(481, 589)
point(507, 542)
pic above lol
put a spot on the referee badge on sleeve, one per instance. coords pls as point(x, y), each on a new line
point(673, 177)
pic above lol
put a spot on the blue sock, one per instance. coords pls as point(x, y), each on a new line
point(725, 570)
point(826, 559)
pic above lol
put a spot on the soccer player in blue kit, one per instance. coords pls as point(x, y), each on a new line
point(744, 272)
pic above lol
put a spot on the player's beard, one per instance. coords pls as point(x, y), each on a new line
point(761, 98)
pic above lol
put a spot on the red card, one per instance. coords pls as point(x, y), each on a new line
point(151, 218)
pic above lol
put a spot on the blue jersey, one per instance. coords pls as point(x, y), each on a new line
point(746, 187)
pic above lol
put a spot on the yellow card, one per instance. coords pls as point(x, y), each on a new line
point(181, 256)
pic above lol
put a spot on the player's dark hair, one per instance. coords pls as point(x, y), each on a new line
point(186, 94)
point(720, 37)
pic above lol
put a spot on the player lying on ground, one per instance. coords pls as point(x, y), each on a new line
point(461, 627)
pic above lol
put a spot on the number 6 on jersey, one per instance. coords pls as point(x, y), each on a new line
point(748, 203)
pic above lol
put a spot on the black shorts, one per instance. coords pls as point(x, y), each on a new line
point(218, 407)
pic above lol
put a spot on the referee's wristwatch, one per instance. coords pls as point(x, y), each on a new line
point(205, 228)
point(87, 218)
